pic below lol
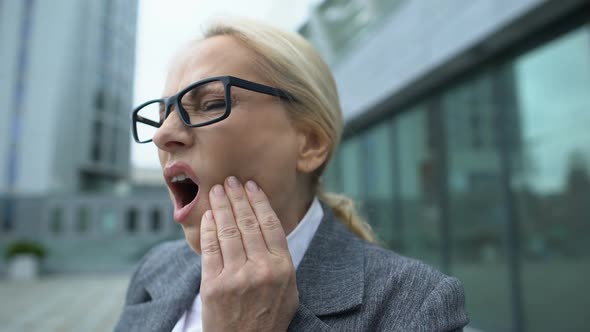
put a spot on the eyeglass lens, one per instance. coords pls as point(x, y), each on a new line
point(201, 104)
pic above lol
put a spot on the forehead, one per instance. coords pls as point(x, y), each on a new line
point(215, 56)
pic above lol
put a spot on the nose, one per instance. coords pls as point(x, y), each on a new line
point(173, 134)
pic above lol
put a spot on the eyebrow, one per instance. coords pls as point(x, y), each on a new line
point(212, 87)
point(207, 88)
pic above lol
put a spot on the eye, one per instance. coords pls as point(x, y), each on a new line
point(213, 105)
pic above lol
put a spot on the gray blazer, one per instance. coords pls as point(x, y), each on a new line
point(344, 283)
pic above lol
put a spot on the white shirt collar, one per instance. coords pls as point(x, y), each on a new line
point(298, 240)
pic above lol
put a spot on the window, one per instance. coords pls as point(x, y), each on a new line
point(131, 221)
point(109, 221)
point(476, 202)
point(115, 145)
point(56, 221)
point(378, 202)
point(420, 210)
point(552, 88)
point(331, 176)
point(99, 100)
point(6, 214)
point(350, 158)
point(83, 220)
point(155, 220)
point(96, 142)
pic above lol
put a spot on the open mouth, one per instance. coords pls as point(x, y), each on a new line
point(183, 184)
point(185, 190)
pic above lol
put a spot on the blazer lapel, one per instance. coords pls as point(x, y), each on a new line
point(172, 287)
point(330, 278)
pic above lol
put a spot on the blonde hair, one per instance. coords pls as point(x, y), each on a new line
point(291, 63)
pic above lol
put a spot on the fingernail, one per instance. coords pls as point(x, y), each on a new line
point(209, 215)
point(233, 182)
point(251, 186)
point(218, 190)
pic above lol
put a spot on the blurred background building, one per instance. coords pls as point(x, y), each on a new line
point(66, 92)
point(467, 144)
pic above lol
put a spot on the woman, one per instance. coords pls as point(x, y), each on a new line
point(248, 123)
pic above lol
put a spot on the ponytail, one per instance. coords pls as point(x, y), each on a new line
point(344, 209)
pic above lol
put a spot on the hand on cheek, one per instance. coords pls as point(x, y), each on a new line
point(248, 278)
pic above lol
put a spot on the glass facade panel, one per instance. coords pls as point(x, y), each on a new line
point(331, 177)
point(553, 187)
point(419, 206)
point(379, 185)
point(378, 150)
point(475, 204)
point(350, 159)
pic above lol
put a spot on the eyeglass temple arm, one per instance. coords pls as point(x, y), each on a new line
point(148, 121)
point(260, 88)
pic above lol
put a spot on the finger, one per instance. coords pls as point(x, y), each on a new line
point(271, 227)
point(245, 218)
point(228, 234)
point(212, 261)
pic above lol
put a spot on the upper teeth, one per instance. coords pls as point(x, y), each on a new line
point(180, 177)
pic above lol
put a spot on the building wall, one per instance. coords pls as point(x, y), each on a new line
point(92, 232)
point(466, 147)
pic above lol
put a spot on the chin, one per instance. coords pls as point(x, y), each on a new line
point(193, 237)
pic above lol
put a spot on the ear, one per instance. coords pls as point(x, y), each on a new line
point(312, 151)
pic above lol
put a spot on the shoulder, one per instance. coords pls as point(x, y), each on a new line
point(401, 271)
point(395, 292)
point(383, 265)
point(411, 292)
point(159, 263)
point(163, 252)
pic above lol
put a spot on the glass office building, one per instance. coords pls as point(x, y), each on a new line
point(486, 175)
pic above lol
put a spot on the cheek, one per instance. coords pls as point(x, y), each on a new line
point(252, 148)
point(264, 146)
point(162, 158)
point(269, 158)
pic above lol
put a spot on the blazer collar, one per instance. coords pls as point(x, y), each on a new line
point(179, 278)
point(330, 278)
point(172, 287)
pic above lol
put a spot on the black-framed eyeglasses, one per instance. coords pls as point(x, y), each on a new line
point(199, 104)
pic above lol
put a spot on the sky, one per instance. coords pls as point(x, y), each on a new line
point(164, 26)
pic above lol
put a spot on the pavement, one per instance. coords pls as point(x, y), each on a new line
point(63, 303)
